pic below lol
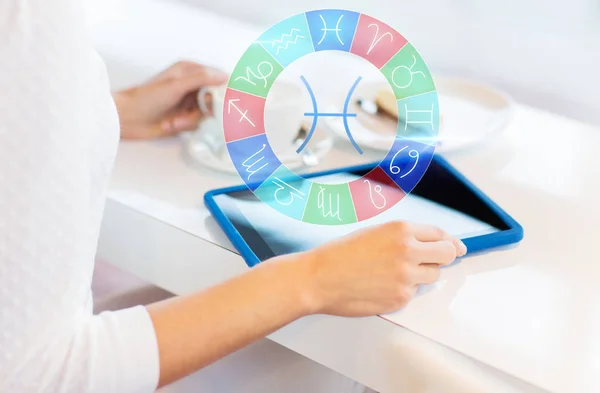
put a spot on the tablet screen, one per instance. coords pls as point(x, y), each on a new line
point(439, 199)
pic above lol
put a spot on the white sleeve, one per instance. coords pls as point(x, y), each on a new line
point(58, 137)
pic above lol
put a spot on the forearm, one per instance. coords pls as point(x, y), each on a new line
point(196, 330)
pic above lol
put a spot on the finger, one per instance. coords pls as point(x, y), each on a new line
point(442, 252)
point(429, 233)
point(189, 103)
point(194, 82)
point(178, 70)
point(187, 121)
point(427, 273)
point(185, 117)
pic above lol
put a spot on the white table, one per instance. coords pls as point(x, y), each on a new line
point(524, 319)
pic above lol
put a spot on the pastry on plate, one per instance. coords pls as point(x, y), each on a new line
point(386, 104)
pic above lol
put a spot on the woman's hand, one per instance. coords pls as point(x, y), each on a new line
point(377, 270)
point(166, 104)
point(374, 271)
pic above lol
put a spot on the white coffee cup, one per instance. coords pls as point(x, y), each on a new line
point(284, 114)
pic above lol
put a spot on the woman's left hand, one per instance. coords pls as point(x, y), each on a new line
point(166, 104)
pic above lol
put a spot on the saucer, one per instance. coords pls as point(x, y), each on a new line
point(205, 147)
point(470, 114)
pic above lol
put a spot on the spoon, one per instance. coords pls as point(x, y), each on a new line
point(308, 157)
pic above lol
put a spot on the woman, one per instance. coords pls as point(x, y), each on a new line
point(59, 129)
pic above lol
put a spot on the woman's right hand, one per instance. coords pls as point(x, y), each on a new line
point(373, 271)
point(376, 270)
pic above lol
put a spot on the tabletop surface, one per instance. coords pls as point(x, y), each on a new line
point(532, 311)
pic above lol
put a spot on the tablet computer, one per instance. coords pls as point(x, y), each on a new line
point(443, 197)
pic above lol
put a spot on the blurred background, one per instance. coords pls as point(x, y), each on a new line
point(545, 53)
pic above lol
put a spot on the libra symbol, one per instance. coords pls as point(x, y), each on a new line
point(315, 114)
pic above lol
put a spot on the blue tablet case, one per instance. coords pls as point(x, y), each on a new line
point(474, 244)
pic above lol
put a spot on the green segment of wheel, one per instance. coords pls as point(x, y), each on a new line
point(408, 74)
point(329, 204)
point(255, 72)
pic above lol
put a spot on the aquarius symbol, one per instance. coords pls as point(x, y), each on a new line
point(325, 29)
point(409, 69)
point(321, 205)
point(429, 121)
point(395, 169)
point(288, 41)
point(376, 40)
point(296, 193)
point(316, 114)
point(378, 190)
point(261, 75)
point(256, 162)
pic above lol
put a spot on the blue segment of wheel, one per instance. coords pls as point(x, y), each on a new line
point(253, 159)
point(406, 162)
point(332, 29)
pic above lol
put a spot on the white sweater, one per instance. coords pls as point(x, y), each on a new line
point(58, 137)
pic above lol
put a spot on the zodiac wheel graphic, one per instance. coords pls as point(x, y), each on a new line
point(300, 198)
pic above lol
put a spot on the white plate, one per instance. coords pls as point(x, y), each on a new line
point(470, 113)
point(205, 148)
